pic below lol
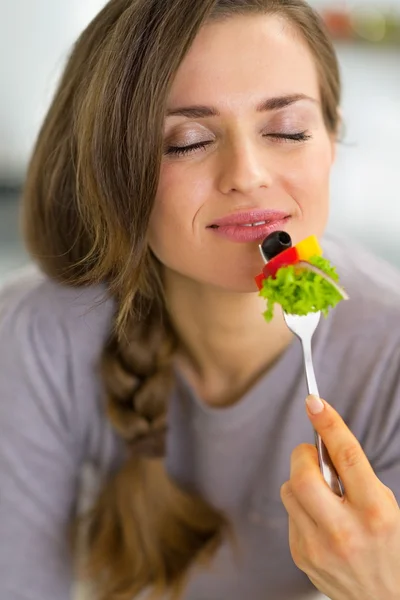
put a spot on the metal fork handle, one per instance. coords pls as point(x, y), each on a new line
point(326, 466)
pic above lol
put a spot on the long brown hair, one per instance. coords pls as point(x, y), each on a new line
point(88, 197)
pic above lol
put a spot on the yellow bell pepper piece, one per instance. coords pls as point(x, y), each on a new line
point(308, 248)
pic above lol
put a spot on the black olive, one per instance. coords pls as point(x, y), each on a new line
point(275, 243)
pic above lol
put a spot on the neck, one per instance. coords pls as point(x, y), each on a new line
point(225, 342)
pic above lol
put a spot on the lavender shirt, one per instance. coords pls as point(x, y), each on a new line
point(53, 429)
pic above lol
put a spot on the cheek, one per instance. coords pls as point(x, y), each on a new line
point(309, 184)
point(174, 223)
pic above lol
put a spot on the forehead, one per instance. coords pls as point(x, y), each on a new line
point(245, 56)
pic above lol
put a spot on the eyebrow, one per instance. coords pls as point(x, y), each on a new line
point(199, 112)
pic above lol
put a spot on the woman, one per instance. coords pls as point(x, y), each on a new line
point(141, 348)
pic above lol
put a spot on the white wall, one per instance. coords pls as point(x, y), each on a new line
point(385, 4)
point(365, 183)
point(35, 38)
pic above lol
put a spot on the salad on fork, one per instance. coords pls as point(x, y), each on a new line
point(305, 284)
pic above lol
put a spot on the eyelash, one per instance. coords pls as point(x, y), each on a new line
point(302, 136)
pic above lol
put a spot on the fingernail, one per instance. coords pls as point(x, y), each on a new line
point(314, 405)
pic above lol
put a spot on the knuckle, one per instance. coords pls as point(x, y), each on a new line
point(349, 456)
point(342, 541)
point(300, 483)
point(302, 448)
point(286, 491)
point(378, 520)
point(390, 494)
point(330, 424)
point(298, 452)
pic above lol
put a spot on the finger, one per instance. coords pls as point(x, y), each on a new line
point(311, 491)
point(304, 523)
point(295, 544)
point(360, 482)
point(300, 546)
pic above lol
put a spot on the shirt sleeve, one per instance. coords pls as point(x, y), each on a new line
point(38, 458)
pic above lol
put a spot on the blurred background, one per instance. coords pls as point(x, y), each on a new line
point(35, 39)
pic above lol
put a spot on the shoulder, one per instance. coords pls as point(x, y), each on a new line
point(359, 354)
point(360, 348)
point(30, 301)
point(373, 286)
point(51, 338)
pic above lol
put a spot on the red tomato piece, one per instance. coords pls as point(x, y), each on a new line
point(283, 259)
point(259, 279)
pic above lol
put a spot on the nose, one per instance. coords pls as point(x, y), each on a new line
point(244, 169)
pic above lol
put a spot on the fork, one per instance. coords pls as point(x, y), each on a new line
point(304, 327)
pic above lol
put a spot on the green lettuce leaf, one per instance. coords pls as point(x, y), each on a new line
point(300, 292)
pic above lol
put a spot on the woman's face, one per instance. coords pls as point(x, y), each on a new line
point(244, 132)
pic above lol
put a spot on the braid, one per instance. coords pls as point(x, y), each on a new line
point(137, 373)
point(144, 531)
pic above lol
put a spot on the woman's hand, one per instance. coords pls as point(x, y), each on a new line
point(349, 547)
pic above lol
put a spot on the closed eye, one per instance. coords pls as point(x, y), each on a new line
point(182, 150)
point(301, 136)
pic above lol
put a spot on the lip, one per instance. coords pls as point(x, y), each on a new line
point(232, 227)
point(251, 216)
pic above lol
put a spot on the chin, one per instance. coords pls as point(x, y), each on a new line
point(237, 287)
